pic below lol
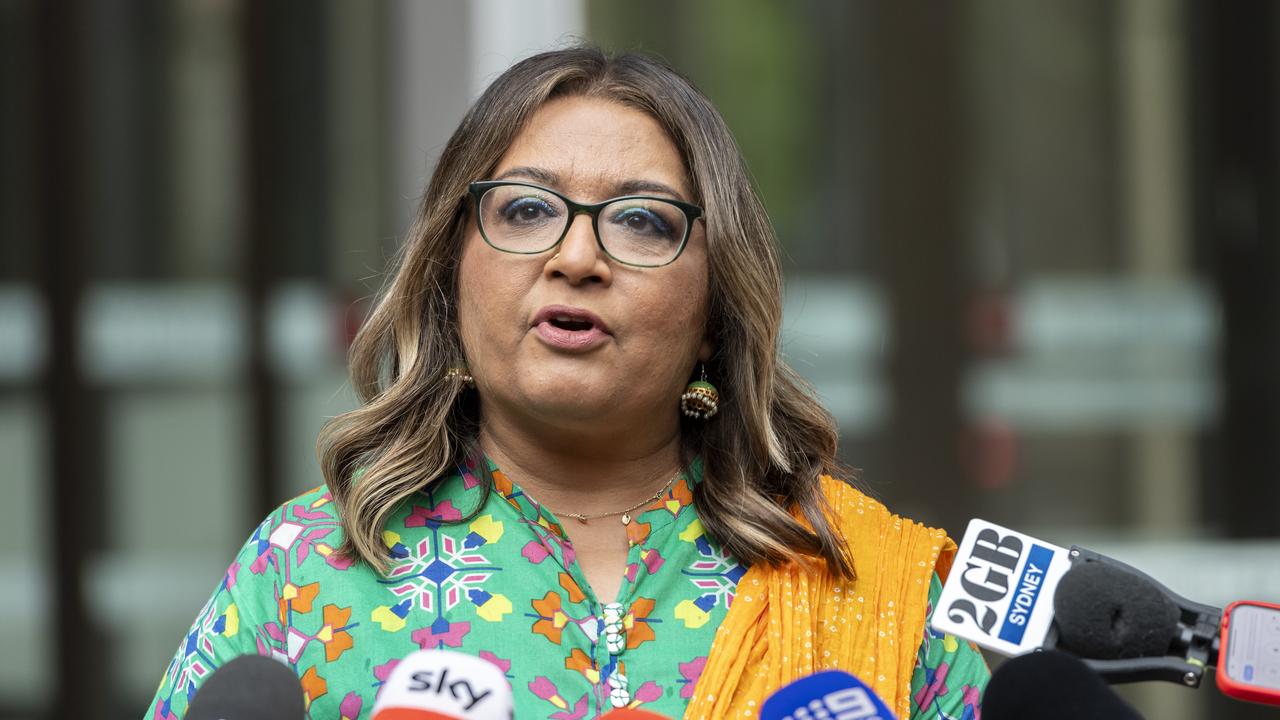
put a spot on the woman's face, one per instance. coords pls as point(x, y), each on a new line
point(569, 337)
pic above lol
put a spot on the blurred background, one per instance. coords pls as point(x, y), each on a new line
point(1031, 251)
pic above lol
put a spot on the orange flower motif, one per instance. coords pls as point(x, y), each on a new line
point(681, 493)
point(579, 661)
point(504, 487)
point(298, 599)
point(336, 641)
point(306, 596)
point(637, 532)
point(313, 686)
point(638, 632)
point(571, 586)
point(676, 498)
point(556, 529)
point(551, 619)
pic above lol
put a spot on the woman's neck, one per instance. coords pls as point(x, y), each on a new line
point(587, 476)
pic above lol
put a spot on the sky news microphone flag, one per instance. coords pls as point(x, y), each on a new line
point(444, 685)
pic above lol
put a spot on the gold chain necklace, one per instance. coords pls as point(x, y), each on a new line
point(626, 514)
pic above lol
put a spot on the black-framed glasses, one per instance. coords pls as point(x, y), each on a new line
point(637, 230)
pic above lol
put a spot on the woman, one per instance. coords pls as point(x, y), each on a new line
point(543, 472)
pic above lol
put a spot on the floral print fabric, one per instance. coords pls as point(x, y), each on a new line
point(477, 586)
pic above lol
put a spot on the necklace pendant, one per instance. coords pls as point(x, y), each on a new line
point(626, 518)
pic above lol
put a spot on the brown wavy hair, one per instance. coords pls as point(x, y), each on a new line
point(762, 454)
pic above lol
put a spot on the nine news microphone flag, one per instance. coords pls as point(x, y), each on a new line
point(825, 695)
point(444, 685)
point(1051, 685)
point(250, 687)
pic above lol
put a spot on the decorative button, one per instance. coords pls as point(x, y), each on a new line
point(615, 631)
point(619, 694)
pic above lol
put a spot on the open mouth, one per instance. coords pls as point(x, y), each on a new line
point(570, 320)
point(570, 329)
point(572, 324)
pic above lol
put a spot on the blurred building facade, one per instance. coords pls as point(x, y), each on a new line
point(1031, 249)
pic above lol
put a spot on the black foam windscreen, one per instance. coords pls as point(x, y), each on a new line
point(250, 687)
point(1051, 685)
point(1105, 613)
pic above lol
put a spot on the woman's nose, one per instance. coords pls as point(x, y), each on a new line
point(579, 258)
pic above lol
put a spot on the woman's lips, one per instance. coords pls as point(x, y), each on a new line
point(564, 339)
point(570, 328)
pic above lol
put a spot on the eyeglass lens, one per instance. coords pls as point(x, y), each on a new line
point(640, 231)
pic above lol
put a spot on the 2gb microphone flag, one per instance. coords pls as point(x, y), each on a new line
point(999, 593)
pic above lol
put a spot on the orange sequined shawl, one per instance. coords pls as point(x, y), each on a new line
point(791, 621)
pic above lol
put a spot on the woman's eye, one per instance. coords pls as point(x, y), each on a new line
point(526, 210)
point(643, 222)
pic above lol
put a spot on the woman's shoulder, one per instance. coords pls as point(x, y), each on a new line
point(841, 495)
point(303, 532)
point(311, 515)
point(310, 505)
point(869, 525)
point(844, 499)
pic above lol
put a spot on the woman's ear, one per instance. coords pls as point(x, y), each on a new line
point(705, 351)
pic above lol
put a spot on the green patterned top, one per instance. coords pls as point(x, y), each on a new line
point(470, 586)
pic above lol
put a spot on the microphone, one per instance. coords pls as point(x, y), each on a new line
point(444, 685)
point(1132, 624)
point(250, 687)
point(1106, 613)
point(1012, 593)
point(1051, 685)
point(828, 694)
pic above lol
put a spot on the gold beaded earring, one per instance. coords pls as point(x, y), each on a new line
point(700, 400)
point(460, 374)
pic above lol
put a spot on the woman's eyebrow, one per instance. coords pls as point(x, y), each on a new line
point(546, 177)
point(626, 187)
point(636, 187)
